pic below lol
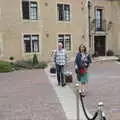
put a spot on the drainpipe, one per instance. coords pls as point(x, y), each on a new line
point(89, 25)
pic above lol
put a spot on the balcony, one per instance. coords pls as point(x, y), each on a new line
point(98, 25)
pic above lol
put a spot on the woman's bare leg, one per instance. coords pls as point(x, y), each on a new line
point(83, 88)
point(86, 87)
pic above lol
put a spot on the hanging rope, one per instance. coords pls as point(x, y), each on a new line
point(103, 116)
point(96, 113)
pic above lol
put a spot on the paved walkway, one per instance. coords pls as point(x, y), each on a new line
point(34, 94)
point(104, 85)
point(67, 99)
point(28, 95)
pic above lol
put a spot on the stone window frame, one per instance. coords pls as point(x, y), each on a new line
point(66, 17)
point(30, 2)
point(63, 40)
point(103, 13)
point(32, 50)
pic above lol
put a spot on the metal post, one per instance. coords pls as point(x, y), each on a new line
point(100, 105)
point(77, 101)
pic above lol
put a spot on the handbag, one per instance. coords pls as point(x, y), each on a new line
point(82, 71)
point(68, 75)
point(53, 70)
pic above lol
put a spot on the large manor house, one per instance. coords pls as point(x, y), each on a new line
point(29, 27)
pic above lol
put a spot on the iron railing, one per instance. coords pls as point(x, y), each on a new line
point(98, 25)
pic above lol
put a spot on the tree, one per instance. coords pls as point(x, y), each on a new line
point(35, 60)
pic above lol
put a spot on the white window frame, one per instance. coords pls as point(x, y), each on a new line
point(98, 19)
point(64, 18)
point(67, 13)
point(31, 11)
point(97, 24)
point(31, 43)
point(64, 40)
point(37, 17)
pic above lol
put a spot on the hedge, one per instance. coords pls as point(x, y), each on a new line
point(5, 66)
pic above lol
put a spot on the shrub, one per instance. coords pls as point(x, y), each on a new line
point(109, 53)
point(35, 60)
point(41, 65)
point(23, 64)
point(28, 64)
point(5, 66)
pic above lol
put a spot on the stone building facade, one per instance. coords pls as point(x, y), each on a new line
point(30, 27)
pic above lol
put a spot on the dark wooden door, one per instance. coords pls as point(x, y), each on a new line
point(99, 45)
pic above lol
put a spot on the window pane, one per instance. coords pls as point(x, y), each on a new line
point(68, 42)
point(35, 43)
point(67, 12)
point(27, 43)
point(61, 39)
point(34, 4)
point(33, 10)
point(98, 18)
point(60, 12)
point(25, 9)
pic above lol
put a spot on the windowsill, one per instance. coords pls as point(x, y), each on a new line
point(30, 20)
point(32, 53)
point(68, 22)
point(100, 32)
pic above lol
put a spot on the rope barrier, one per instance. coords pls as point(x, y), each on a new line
point(99, 112)
point(96, 113)
point(103, 117)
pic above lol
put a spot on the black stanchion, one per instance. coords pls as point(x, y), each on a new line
point(77, 102)
point(96, 113)
point(104, 118)
point(101, 113)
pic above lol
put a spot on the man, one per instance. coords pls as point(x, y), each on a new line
point(60, 59)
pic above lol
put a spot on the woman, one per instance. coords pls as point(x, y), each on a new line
point(82, 62)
